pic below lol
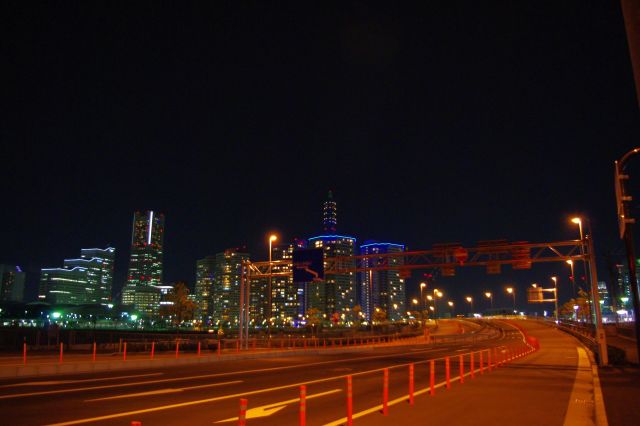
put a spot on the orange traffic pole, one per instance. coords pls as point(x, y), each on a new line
point(471, 366)
point(447, 367)
point(94, 352)
point(461, 362)
point(153, 349)
point(177, 347)
point(410, 384)
point(124, 353)
point(61, 352)
point(242, 416)
point(489, 359)
point(481, 363)
point(432, 378)
point(303, 405)
point(349, 401)
point(24, 353)
point(385, 392)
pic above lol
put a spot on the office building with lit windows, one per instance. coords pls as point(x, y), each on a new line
point(204, 282)
point(284, 299)
point(383, 289)
point(11, 283)
point(145, 263)
point(99, 269)
point(84, 280)
point(225, 292)
point(64, 286)
point(337, 292)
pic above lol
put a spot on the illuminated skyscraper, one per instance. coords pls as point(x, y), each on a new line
point(225, 293)
point(99, 269)
point(284, 300)
point(86, 280)
point(329, 214)
point(145, 264)
point(382, 289)
point(11, 283)
point(204, 282)
point(336, 293)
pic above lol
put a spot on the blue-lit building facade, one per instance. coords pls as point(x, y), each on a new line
point(337, 292)
point(382, 289)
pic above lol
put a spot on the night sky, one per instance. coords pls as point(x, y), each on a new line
point(440, 122)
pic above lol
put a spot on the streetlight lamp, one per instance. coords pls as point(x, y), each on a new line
point(439, 294)
point(512, 292)
point(490, 297)
point(272, 238)
point(555, 291)
point(470, 300)
point(422, 302)
point(450, 303)
point(578, 221)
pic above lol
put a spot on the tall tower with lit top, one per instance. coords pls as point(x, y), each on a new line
point(145, 264)
point(329, 214)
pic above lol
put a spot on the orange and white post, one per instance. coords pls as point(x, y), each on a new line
point(410, 384)
point(385, 392)
point(349, 401)
point(447, 366)
point(432, 378)
point(461, 363)
point(303, 405)
point(242, 416)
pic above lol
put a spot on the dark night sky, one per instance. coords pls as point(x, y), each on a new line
point(440, 122)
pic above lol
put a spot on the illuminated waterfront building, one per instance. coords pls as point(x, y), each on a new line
point(85, 280)
point(383, 289)
point(336, 293)
point(63, 286)
point(145, 264)
point(11, 283)
point(99, 269)
point(284, 300)
point(204, 282)
point(225, 292)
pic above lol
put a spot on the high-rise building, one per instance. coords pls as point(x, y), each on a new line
point(99, 269)
point(383, 289)
point(204, 282)
point(86, 280)
point(225, 293)
point(284, 299)
point(60, 286)
point(337, 292)
point(11, 283)
point(145, 264)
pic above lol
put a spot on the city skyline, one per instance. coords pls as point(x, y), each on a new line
point(426, 132)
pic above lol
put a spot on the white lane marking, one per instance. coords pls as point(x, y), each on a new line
point(581, 404)
point(65, 382)
point(163, 391)
point(267, 410)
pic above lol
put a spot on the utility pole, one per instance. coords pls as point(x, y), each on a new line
point(626, 223)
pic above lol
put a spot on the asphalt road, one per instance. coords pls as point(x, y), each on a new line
point(209, 393)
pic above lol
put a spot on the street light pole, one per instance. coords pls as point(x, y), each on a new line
point(573, 278)
point(490, 297)
point(272, 238)
point(626, 223)
point(470, 300)
point(512, 292)
point(555, 293)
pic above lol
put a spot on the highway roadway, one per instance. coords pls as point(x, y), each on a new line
point(209, 393)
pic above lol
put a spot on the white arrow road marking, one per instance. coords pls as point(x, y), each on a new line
point(163, 391)
point(66, 382)
point(267, 410)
